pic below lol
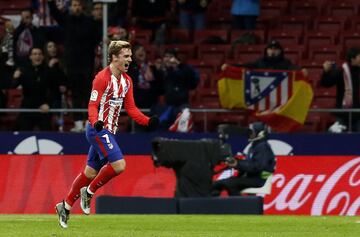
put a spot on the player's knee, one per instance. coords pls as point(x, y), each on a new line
point(119, 166)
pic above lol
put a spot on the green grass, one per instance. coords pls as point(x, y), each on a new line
point(179, 225)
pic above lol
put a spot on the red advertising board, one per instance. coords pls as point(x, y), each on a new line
point(306, 185)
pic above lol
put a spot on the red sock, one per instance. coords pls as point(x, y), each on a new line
point(106, 173)
point(80, 181)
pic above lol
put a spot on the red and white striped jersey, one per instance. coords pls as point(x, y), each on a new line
point(108, 95)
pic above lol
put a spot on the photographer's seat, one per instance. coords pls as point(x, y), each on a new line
point(265, 189)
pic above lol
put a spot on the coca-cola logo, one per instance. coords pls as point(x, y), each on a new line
point(322, 191)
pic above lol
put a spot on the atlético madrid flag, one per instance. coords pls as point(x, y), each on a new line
point(279, 98)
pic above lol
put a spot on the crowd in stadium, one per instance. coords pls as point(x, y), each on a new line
point(50, 56)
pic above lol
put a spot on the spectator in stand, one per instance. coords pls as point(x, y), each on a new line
point(346, 78)
point(35, 81)
point(245, 13)
point(273, 58)
point(82, 34)
point(192, 13)
point(26, 36)
point(179, 79)
point(147, 80)
point(152, 15)
point(58, 82)
point(118, 13)
point(7, 65)
point(97, 12)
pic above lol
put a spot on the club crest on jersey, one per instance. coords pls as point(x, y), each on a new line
point(94, 95)
point(116, 101)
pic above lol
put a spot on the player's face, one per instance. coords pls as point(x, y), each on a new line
point(123, 60)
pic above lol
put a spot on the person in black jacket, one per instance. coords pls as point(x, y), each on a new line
point(346, 78)
point(273, 58)
point(179, 79)
point(26, 36)
point(253, 171)
point(35, 79)
point(82, 34)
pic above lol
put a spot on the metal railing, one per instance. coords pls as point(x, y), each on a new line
point(204, 111)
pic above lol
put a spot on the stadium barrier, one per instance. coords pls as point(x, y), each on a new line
point(200, 205)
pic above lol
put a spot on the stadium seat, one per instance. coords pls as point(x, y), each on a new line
point(300, 23)
point(316, 38)
point(204, 66)
point(349, 39)
point(294, 52)
point(306, 8)
point(272, 9)
point(315, 69)
point(258, 33)
point(248, 53)
point(215, 53)
point(342, 8)
point(285, 37)
point(210, 35)
point(323, 103)
point(143, 36)
point(355, 23)
point(184, 51)
point(179, 36)
point(322, 53)
point(330, 23)
point(325, 93)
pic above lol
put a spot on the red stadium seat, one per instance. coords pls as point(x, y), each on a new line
point(204, 66)
point(179, 36)
point(294, 52)
point(184, 51)
point(342, 8)
point(322, 53)
point(332, 23)
point(349, 39)
point(259, 35)
point(315, 69)
point(215, 53)
point(316, 38)
point(204, 35)
point(273, 9)
point(300, 23)
point(355, 23)
point(307, 8)
point(248, 53)
point(285, 37)
point(143, 36)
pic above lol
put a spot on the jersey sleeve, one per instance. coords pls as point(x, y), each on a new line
point(98, 88)
point(131, 108)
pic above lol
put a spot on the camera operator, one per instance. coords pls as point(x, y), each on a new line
point(253, 171)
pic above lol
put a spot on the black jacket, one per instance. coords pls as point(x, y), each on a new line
point(178, 82)
point(145, 97)
point(35, 82)
point(276, 63)
point(335, 77)
point(81, 33)
point(260, 158)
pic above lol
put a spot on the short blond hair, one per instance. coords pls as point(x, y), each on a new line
point(116, 46)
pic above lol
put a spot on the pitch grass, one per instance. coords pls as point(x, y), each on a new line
point(179, 225)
